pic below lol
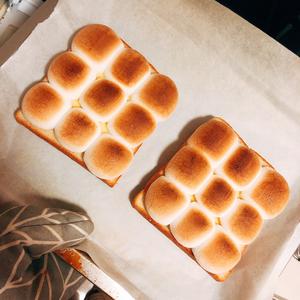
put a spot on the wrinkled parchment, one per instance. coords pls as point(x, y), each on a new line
point(223, 66)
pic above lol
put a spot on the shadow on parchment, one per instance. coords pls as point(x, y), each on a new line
point(45, 202)
point(170, 150)
point(40, 201)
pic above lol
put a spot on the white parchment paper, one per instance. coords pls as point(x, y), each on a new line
point(222, 66)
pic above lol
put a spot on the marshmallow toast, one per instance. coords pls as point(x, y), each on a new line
point(98, 102)
point(213, 196)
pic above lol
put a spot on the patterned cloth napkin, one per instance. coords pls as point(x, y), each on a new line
point(28, 267)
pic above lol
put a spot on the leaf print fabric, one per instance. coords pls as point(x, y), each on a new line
point(28, 267)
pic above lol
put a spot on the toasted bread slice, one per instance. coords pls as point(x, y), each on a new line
point(119, 73)
point(138, 202)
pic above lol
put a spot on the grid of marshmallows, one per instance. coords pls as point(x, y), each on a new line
point(214, 196)
point(102, 99)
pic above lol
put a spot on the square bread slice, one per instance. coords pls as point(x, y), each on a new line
point(212, 197)
point(99, 101)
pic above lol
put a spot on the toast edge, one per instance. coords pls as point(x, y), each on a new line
point(52, 141)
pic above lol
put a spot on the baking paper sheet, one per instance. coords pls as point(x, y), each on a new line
point(222, 66)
